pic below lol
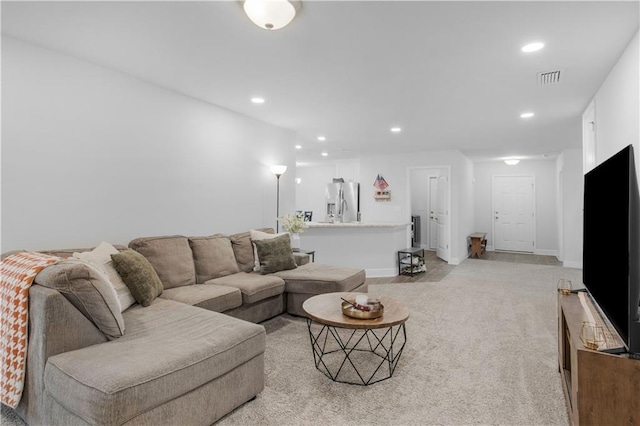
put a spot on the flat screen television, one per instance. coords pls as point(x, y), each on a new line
point(611, 251)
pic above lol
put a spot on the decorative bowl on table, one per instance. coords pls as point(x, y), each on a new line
point(360, 309)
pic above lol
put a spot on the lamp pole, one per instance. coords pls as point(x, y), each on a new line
point(278, 170)
point(278, 204)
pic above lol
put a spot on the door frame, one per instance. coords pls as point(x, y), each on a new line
point(589, 138)
point(430, 236)
point(447, 170)
point(533, 207)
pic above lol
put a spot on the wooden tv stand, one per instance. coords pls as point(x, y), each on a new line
point(600, 388)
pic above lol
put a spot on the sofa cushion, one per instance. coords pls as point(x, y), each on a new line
point(113, 382)
point(170, 256)
point(213, 257)
point(138, 274)
point(254, 287)
point(101, 257)
point(275, 254)
point(89, 290)
point(243, 249)
point(212, 297)
point(315, 278)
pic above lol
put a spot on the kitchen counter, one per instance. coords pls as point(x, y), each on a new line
point(372, 246)
point(356, 225)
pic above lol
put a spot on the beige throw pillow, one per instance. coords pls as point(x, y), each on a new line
point(101, 258)
point(259, 236)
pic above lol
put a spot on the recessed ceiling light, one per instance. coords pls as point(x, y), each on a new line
point(396, 129)
point(322, 138)
point(257, 100)
point(532, 47)
point(298, 146)
point(527, 115)
point(324, 154)
point(511, 161)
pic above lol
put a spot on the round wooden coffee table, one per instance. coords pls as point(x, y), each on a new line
point(355, 351)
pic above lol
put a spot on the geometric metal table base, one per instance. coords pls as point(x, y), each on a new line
point(356, 356)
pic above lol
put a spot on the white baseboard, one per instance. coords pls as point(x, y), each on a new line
point(572, 264)
point(544, 252)
point(540, 252)
point(455, 260)
point(381, 272)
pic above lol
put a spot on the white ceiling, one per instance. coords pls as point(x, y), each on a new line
point(451, 74)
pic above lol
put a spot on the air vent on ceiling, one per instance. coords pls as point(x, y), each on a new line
point(549, 77)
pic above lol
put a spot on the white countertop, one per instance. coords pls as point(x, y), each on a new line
point(357, 225)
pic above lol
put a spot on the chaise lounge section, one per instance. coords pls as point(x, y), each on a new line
point(190, 357)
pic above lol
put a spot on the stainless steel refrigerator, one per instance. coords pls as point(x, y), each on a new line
point(342, 202)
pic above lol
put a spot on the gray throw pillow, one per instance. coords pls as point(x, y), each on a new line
point(275, 254)
point(89, 290)
point(138, 274)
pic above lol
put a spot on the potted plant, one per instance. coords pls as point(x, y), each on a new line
point(295, 225)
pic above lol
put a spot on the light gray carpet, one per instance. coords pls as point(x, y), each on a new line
point(481, 349)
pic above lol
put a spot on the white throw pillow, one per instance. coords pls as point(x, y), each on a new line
point(101, 257)
point(256, 236)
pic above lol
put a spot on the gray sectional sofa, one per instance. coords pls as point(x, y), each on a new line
point(190, 357)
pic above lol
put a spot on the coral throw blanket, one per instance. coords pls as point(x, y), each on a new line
point(18, 272)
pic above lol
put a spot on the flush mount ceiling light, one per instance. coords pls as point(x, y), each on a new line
point(271, 14)
point(324, 154)
point(511, 161)
point(527, 115)
point(298, 146)
point(396, 129)
point(257, 100)
point(532, 47)
point(322, 138)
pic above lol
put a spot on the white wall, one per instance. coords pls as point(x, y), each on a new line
point(617, 107)
point(395, 169)
point(544, 172)
point(90, 154)
point(466, 193)
point(570, 211)
point(310, 190)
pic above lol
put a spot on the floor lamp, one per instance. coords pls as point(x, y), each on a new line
point(278, 170)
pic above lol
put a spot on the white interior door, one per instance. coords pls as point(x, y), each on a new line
point(442, 218)
point(513, 213)
point(433, 222)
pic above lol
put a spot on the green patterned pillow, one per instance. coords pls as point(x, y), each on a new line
point(275, 254)
point(138, 274)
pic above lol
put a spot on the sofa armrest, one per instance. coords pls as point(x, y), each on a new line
point(55, 326)
point(301, 258)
